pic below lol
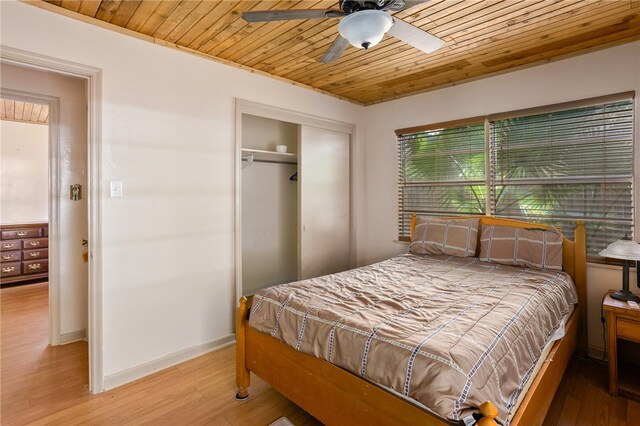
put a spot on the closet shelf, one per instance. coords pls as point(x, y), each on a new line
point(270, 156)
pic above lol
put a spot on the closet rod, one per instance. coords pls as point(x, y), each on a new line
point(267, 161)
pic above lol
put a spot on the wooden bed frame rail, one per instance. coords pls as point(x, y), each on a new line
point(337, 397)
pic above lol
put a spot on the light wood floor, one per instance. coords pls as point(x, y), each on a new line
point(48, 385)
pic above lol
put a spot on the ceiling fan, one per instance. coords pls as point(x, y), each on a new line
point(363, 24)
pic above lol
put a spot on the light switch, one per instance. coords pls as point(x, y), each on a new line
point(116, 188)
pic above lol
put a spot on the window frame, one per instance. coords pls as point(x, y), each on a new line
point(489, 119)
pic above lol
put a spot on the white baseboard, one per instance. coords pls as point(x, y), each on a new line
point(131, 374)
point(74, 336)
point(595, 352)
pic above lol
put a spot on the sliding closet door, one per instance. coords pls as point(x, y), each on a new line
point(324, 197)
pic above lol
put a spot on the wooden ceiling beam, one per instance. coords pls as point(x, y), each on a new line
point(142, 13)
point(483, 37)
point(255, 32)
point(28, 108)
point(13, 110)
point(266, 33)
point(314, 43)
point(71, 4)
point(564, 42)
point(390, 45)
point(209, 25)
point(107, 10)
point(89, 7)
point(158, 16)
point(175, 18)
point(125, 12)
point(191, 20)
point(415, 60)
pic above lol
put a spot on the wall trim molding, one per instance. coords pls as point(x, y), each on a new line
point(93, 76)
point(74, 336)
point(596, 352)
point(134, 373)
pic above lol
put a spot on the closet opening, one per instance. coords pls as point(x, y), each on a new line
point(293, 197)
point(269, 202)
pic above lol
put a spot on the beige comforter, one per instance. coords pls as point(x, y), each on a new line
point(447, 332)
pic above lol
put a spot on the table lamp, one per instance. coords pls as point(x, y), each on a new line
point(626, 250)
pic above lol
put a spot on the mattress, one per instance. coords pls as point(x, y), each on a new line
point(557, 335)
point(447, 332)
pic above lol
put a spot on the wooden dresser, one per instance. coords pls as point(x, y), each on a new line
point(24, 252)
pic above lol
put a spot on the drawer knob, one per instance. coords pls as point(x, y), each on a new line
point(7, 245)
point(7, 257)
point(8, 269)
point(34, 243)
point(34, 254)
point(22, 233)
point(34, 266)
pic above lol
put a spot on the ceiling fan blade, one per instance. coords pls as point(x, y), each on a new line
point(414, 36)
point(402, 5)
point(411, 3)
point(335, 50)
point(286, 15)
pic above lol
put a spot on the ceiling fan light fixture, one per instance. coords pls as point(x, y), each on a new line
point(365, 28)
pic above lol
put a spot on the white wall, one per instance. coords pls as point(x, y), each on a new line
point(269, 207)
point(72, 160)
point(24, 176)
point(265, 133)
point(604, 72)
point(168, 134)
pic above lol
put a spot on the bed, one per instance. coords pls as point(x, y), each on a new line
point(364, 391)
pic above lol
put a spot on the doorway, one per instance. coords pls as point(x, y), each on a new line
point(39, 312)
point(81, 188)
point(65, 97)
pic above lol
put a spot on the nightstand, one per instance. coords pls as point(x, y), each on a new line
point(623, 322)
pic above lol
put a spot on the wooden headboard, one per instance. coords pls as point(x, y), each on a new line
point(574, 259)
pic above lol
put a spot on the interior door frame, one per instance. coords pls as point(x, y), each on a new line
point(281, 114)
point(53, 205)
point(93, 77)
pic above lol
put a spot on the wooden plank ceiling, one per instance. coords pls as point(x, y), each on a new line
point(482, 38)
point(24, 111)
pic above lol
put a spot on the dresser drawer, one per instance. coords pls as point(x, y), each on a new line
point(9, 269)
point(35, 266)
point(628, 329)
point(35, 254)
point(13, 234)
point(35, 243)
point(11, 256)
point(10, 245)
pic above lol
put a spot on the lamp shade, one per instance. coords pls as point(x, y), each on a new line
point(622, 249)
point(365, 28)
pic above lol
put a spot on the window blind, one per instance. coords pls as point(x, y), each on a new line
point(441, 173)
point(562, 166)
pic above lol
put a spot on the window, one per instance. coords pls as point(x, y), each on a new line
point(554, 165)
point(442, 172)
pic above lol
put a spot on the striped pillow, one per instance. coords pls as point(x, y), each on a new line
point(535, 248)
point(456, 237)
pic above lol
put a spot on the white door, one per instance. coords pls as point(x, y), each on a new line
point(325, 199)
